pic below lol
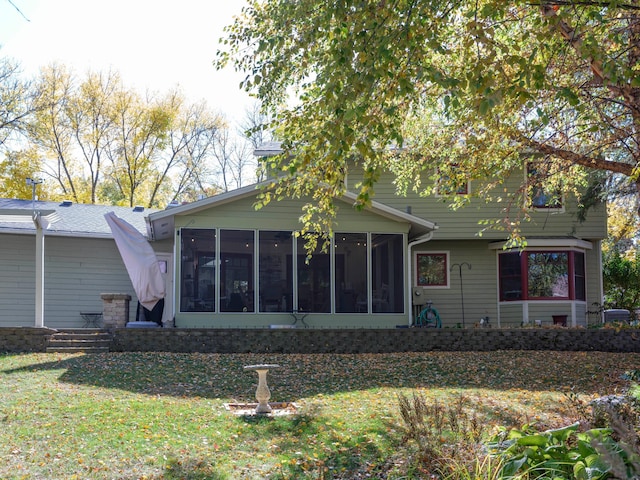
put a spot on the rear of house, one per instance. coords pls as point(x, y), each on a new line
point(241, 267)
point(229, 265)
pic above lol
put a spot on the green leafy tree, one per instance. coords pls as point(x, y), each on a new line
point(50, 130)
point(101, 142)
point(412, 85)
point(141, 133)
point(621, 277)
point(17, 166)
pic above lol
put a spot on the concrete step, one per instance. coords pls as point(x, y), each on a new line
point(79, 340)
point(59, 349)
point(84, 331)
point(75, 342)
point(96, 337)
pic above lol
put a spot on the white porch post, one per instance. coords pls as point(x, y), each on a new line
point(39, 270)
point(39, 266)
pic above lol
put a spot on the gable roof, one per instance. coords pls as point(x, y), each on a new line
point(67, 218)
point(161, 224)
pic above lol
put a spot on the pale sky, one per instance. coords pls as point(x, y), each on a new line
point(154, 44)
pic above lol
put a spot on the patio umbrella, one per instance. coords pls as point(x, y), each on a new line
point(140, 261)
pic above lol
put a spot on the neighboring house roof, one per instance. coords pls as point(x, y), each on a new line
point(67, 218)
point(161, 224)
point(268, 149)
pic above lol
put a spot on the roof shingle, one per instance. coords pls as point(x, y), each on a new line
point(71, 219)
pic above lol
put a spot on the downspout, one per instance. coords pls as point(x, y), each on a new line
point(422, 239)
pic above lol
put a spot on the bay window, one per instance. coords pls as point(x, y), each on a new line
point(542, 275)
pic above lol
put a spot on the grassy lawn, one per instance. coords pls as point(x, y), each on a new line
point(155, 415)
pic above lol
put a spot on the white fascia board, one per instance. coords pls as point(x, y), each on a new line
point(557, 242)
point(49, 233)
point(205, 203)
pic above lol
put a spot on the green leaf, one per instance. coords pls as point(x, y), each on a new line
point(564, 432)
point(533, 441)
point(512, 466)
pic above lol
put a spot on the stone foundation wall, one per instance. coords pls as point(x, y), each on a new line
point(24, 339)
point(372, 341)
point(341, 340)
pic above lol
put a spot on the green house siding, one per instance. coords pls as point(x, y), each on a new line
point(283, 215)
point(595, 289)
point(478, 287)
point(512, 314)
point(464, 223)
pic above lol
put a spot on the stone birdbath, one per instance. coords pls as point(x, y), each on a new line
point(262, 392)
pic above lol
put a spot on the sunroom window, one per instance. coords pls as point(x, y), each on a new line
point(361, 273)
point(198, 270)
point(351, 278)
point(275, 271)
point(387, 272)
point(314, 279)
point(236, 270)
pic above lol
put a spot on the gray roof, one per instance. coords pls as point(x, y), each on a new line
point(67, 218)
point(268, 149)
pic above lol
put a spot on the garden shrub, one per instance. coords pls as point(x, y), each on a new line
point(562, 453)
point(448, 438)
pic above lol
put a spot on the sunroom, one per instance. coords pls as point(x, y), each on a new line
point(237, 267)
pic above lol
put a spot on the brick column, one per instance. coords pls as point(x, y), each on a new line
point(115, 309)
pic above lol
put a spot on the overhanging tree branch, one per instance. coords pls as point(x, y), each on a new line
point(599, 163)
point(570, 34)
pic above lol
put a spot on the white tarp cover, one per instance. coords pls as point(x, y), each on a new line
point(139, 259)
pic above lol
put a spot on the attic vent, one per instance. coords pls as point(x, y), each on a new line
point(138, 209)
point(66, 203)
